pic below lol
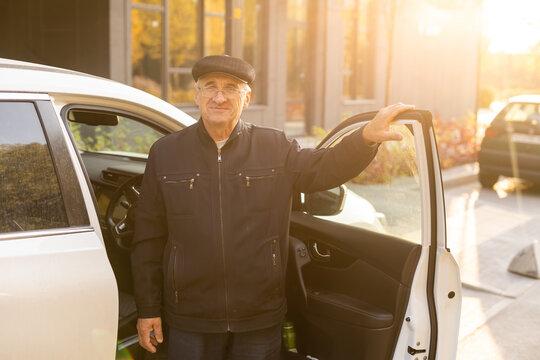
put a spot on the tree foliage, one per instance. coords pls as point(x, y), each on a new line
point(30, 197)
point(127, 136)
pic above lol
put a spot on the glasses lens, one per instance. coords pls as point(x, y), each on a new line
point(228, 93)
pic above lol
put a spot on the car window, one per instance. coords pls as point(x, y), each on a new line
point(30, 197)
point(520, 112)
point(126, 136)
point(385, 197)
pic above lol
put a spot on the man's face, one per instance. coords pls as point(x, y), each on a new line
point(221, 109)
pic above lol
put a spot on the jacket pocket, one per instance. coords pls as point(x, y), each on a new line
point(256, 187)
point(175, 271)
point(181, 192)
point(275, 267)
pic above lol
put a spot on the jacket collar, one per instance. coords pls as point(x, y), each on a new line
point(240, 128)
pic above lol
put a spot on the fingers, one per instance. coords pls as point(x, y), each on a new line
point(376, 130)
point(391, 111)
point(158, 332)
point(144, 340)
point(144, 329)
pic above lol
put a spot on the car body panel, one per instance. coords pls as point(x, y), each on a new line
point(447, 283)
point(58, 297)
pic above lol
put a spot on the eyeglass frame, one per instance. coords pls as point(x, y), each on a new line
point(227, 93)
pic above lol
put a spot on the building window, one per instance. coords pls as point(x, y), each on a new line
point(296, 59)
point(359, 16)
point(185, 48)
point(146, 47)
point(169, 36)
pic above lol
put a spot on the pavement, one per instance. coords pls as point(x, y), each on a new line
point(500, 317)
point(460, 175)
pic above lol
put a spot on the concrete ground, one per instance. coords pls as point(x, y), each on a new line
point(486, 228)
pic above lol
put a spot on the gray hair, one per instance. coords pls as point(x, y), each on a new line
point(245, 87)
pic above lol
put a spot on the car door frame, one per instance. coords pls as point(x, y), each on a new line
point(64, 299)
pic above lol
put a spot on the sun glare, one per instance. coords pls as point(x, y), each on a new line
point(512, 26)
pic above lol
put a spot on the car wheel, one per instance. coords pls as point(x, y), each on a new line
point(487, 179)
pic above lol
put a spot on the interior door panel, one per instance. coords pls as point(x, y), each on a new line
point(351, 304)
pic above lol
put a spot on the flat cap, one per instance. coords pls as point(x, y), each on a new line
point(224, 64)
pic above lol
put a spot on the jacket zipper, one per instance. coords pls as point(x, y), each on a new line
point(176, 294)
point(223, 242)
point(191, 182)
point(248, 179)
point(274, 256)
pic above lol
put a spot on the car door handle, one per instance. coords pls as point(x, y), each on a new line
point(318, 255)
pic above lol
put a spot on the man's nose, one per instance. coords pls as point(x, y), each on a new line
point(219, 98)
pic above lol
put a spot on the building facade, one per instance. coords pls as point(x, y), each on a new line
point(317, 61)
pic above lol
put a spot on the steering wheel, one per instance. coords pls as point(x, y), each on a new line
point(125, 196)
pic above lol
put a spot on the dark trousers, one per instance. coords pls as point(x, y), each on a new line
point(262, 344)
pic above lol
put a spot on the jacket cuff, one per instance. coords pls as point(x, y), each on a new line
point(146, 312)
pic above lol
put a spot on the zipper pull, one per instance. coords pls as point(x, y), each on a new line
point(177, 296)
point(274, 259)
point(219, 155)
point(191, 182)
point(247, 181)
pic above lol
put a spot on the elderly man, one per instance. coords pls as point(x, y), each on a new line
point(211, 229)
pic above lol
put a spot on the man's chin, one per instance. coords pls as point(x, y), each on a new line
point(218, 120)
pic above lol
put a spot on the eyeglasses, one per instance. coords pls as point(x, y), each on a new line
point(212, 91)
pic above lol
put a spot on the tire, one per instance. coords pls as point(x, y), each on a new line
point(487, 179)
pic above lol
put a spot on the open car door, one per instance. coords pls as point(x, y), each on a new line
point(369, 273)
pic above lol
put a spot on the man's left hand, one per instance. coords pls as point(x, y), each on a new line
point(378, 129)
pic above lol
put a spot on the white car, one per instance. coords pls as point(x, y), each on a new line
point(369, 273)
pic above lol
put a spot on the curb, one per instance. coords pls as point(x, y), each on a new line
point(460, 175)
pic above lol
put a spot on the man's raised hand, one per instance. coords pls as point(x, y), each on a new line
point(378, 129)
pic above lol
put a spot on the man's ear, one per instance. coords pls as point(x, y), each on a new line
point(248, 98)
point(196, 95)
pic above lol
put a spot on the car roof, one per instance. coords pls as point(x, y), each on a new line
point(525, 99)
point(19, 76)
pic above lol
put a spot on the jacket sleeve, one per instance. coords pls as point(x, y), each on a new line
point(320, 169)
point(148, 244)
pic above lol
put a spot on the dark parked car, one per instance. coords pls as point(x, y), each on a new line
point(511, 145)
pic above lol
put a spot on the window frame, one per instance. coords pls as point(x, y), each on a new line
point(127, 114)
point(70, 189)
point(425, 186)
point(233, 41)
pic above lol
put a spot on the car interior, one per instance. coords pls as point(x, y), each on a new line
point(348, 278)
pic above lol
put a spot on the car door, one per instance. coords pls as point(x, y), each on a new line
point(369, 273)
point(58, 295)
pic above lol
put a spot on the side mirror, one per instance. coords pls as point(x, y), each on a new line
point(325, 203)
